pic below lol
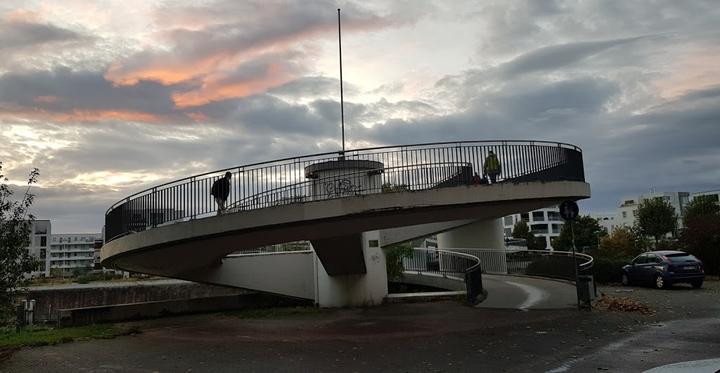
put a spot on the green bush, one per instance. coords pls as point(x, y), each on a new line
point(394, 255)
point(608, 270)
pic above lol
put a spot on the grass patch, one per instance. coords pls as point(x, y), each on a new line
point(42, 336)
point(273, 312)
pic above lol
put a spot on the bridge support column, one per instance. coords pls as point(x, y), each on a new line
point(342, 290)
point(482, 234)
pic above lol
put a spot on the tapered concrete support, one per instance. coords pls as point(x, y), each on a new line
point(482, 234)
point(341, 255)
point(365, 289)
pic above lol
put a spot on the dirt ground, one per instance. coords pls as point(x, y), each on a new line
point(678, 324)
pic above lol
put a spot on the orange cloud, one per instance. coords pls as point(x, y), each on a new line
point(45, 99)
point(87, 116)
point(215, 88)
point(22, 15)
point(197, 117)
point(187, 64)
point(697, 70)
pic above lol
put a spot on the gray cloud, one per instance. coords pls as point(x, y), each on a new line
point(63, 91)
point(568, 71)
point(16, 34)
point(556, 57)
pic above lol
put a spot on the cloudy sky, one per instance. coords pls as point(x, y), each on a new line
point(109, 97)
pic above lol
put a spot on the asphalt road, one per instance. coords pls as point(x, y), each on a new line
point(420, 337)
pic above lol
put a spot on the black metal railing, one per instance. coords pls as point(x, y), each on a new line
point(338, 175)
point(544, 263)
point(448, 264)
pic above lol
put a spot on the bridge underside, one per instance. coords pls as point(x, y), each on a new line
point(182, 250)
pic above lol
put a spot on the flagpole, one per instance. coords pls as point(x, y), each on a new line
point(342, 111)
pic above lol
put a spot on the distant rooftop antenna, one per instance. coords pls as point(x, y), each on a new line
point(342, 111)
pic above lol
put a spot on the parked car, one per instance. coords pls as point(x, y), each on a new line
point(661, 269)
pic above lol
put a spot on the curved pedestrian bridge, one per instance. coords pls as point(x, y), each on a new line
point(348, 205)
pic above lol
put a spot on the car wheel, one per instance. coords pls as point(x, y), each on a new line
point(697, 284)
point(660, 282)
point(625, 280)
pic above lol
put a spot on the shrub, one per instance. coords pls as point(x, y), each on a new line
point(394, 255)
point(608, 270)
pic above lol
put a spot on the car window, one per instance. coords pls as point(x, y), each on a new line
point(640, 259)
point(681, 257)
point(654, 259)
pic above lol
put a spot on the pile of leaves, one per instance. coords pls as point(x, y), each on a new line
point(622, 304)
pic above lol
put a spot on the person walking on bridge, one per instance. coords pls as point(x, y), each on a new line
point(221, 190)
point(492, 167)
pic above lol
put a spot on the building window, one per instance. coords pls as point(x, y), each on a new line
point(538, 216)
point(624, 214)
point(554, 216)
point(539, 228)
point(508, 220)
point(508, 232)
point(525, 217)
point(43, 240)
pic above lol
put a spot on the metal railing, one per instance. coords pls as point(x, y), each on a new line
point(542, 263)
point(291, 180)
point(448, 264)
point(438, 262)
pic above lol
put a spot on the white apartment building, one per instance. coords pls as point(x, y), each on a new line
point(714, 195)
point(627, 211)
point(606, 220)
point(72, 251)
point(40, 231)
point(544, 222)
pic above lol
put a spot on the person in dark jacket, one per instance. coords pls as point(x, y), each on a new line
point(221, 191)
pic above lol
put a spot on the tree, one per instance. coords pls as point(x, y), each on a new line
point(15, 223)
point(656, 217)
point(587, 234)
point(521, 230)
point(701, 207)
point(701, 235)
point(620, 244)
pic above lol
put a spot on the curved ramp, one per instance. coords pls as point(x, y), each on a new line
point(347, 204)
point(173, 250)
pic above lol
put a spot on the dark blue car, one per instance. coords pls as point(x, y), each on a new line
point(661, 269)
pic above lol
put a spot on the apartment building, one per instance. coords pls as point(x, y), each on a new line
point(39, 244)
point(545, 223)
point(70, 252)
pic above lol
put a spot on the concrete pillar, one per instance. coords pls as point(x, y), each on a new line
point(482, 234)
point(365, 289)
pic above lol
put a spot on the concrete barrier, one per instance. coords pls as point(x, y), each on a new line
point(50, 299)
point(135, 311)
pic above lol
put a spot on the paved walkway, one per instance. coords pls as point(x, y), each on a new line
point(420, 337)
point(526, 293)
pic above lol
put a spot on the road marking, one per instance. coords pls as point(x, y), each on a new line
point(533, 295)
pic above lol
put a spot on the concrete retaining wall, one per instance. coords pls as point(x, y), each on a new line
point(51, 299)
point(122, 312)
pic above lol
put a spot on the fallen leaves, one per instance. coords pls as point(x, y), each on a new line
point(623, 304)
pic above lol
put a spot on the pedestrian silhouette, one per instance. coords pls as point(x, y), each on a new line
point(221, 190)
point(492, 167)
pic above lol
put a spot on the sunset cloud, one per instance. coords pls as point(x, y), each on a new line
point(110, 98)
